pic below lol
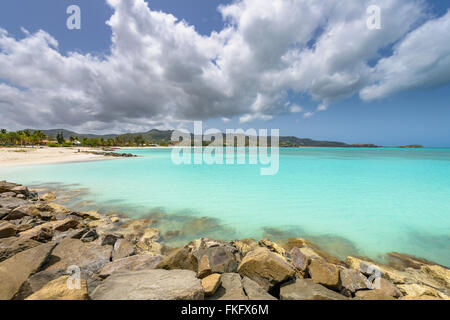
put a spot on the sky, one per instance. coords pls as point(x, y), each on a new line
point(310, 68)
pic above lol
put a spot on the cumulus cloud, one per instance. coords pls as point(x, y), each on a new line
point(162, 73)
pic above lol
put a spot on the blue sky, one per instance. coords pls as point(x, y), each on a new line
point(420, 114)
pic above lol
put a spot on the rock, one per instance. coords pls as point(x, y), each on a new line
point(3, 212)
point(50, 196)
point(149, 248)
point(220, 258)
point(245, 246)
point(114, 219)
point(89, 236)
point(88, 257)
point(17, 269)
point(139, 262)
point(386, 287)
point(418, 290)
point(211, 283)
point(231, 288)
point(122, 249)
point(8, 194)
point(7, 230)
point(324, 273)
point(60, 225)
point(373, 295)
point(204, 268)
point(58, 289)
point(352, 281)
point(20, 190)
point(91, 215)
point(150, 235)
point(266, 268)
point(254, 291)
point(71, 233)
point(11, 246)
point(438, 274)
point(299, 260)
point(7, 186)
point(12, 203)
point(150, 285)
point(179, 259)
point(109, 239)
point(272, 246)
point(420, 298)
point(306, 289)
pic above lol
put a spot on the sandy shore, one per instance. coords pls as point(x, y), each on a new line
point(45, 155)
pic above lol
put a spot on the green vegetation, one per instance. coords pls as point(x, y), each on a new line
point(22, 138)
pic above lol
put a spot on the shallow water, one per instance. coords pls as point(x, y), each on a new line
point(350, 201)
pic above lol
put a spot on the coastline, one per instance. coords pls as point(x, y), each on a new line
point(47, 238)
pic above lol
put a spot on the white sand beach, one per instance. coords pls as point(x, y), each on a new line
point(45, 155)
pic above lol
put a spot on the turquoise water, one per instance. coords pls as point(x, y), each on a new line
point(354, 201)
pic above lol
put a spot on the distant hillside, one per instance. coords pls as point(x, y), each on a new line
point(67, 133)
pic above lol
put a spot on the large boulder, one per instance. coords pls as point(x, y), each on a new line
point(12, 203)
point(150, 285)
point(122, 249)
point(211, 283)
point(6, 186)
point(180, 258)
point(58, 289)
point(88, 258)
point(306, 289)
point(7, 230)
point(13, 245)
point(324, 273)
point(352, 281)
point(219, 259)
point(266, 268)
point(59, 225)
point(139, 262)
point(386, 287)
point(231, 288)
point(299, 260)
point(254, 291)
point(417, 290)
point(17, 269)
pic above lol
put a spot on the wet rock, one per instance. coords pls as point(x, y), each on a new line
point(7, 230)
point(21, 265)
point(231, 288)
point(324, 273)
point(139, 262)
point(254, 291)
point(122, 249)
point(352, 281)
point(58, 289)
point(299, 260)
point(13, 245)
point(306, 289)
point(211, 283)
point(266, 268)
point(150, 285)
point(373, 295)
point(50, 196)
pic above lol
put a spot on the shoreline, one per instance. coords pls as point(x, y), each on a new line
point(47, 238)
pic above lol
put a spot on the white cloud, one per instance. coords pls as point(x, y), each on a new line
point(161, 72)
point(295, 108)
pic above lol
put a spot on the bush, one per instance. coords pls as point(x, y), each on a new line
point(53, 145)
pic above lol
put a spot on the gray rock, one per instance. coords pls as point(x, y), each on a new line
point(122, 249)
point(352, 281)
point(306, 289)
point(12, 203)
point(299, 260)
point(17, 269)
point(139, 262)
point(221, 259)
point(254, 291)
point(13, 245)
point(231, 288)
point(150, 285)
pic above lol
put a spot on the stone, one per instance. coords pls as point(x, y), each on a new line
point(89, 236)
point(324, 273)
point(7, 186)
point(150, 285)
point(299, 260)
point(139, 262)
point(71, 233)
point(122, 249)
point(352, 281)
point(272, 246)
point(211, 283)
point(58, 289)
point(3, 212)
point(420, 298)
point(49, 196)
point(150, 235)
point(8, 194)
point(375, 294)
point(244, 246)
point(438, 274)
point(11, 246)
point(7, 230)
point(204, 268)
point(306, 289)
point(149, 248)
point(221, 258)
point(179, 259)
point(109, 239)
point(91, 215)
point(12, 203)
point(386, 287)
point(88, 257)
point(418, 290)
point(266, 268)
point(60, 225)
point(17, 269)
point(231, 288)
point(254, 291)
point(20, 190)
point(115, 219)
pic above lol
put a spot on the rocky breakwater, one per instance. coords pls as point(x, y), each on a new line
point(48, 251)
point(112, 154)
